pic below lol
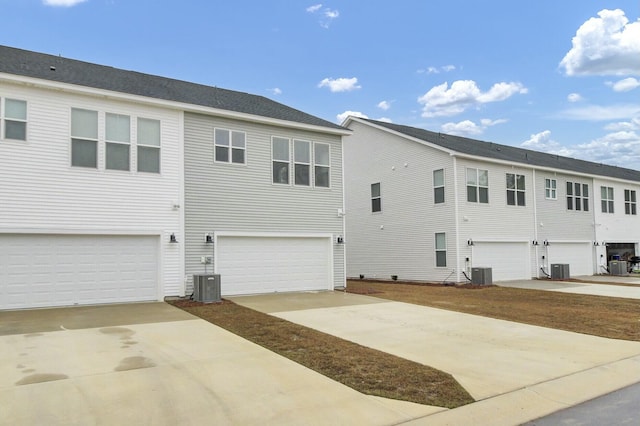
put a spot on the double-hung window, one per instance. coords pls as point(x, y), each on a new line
point(376, 198)
point(577, 196)
point(550, 189)
point(280, 160)
point(321, 158)
point(302, 162)
point(438, 186)
point(441, 249)
point(118, 141)
point(630, 202)
point(230, 146)
point(148, 145)
point(515, 190)
point(477, 186)
point(606, 199)
point(15, 119)
point(84, 138)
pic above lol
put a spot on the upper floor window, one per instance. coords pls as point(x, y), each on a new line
point(629, 201)
point(230, 146)
point(477, 186)
point(302, 162)
point(84, 138)
point(550, 189)
point(148, 145)
point(321, 158)
point(606, 198)
point(15, 119)
point(438, 186)
point(441, 249)
point(118, 141)
point(515, 190)
point(376, 198)
point(577, 196)
point(280, 160)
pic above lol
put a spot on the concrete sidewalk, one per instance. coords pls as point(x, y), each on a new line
point(630, 291)
point(113, 365)
point(517, 372)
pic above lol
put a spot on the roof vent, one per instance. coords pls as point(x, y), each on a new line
point(52, 68)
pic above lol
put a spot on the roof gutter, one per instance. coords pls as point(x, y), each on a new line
point(179, 106)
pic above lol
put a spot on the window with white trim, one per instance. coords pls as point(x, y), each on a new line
point(577, 196)
point(14, 119)
point(441, 249)
point(148, 145)
point(438, 186)
point(477, 186)
point(550, 189)
point(376, 198)
point(84, 138)
point(515, 189)
point(230, 146)
point(302, 162)
point(630, 202)
point(117, 142)
point(280, 160)
point(322, 165)
point(606, 199)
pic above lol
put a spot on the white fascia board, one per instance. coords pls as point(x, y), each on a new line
point(349, 119)
point(273, 234)
point(80, 231)
point(180, 106)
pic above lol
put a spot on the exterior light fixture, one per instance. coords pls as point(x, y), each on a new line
point(172, 238)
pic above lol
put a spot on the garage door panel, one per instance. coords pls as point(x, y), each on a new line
point(507, 260)
point(251, 265)
point(579, 257)
point(60, 270)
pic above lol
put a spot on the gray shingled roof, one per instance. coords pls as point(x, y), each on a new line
point(511, 153)
point(55, 68)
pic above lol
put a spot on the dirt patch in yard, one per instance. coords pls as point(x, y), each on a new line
point(610, 317)
point(364, 369)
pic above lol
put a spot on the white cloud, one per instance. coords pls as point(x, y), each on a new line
point(327, 15)
point(601, 113)
point(626, 84)
point(574, 97)
point(340, 84)
point(607, 45)
point(62, 3)
point(620, 148)
point(436, 70)
point(443, 100)
point(384, 105)
point(385, 119)
point(344, 115)
point(542, 142)
point(276, 91)
point(469, 128)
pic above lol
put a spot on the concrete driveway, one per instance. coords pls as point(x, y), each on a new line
point(599, 285)
point(154, 364)
point(518, 372)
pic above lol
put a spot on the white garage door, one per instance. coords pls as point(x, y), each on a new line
point(579, 256)
point(507, 260)
point(62, 270)
point(252, 265)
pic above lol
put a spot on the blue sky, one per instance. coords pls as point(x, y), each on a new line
point(560, 76)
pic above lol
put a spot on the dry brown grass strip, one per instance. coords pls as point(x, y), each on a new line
point(364, 369)
point(615, 318)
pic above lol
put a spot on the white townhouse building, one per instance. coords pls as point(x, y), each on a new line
point(117, 186)
point(427, 206)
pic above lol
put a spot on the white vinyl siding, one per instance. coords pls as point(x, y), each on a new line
point(14, 119)
point(48, 195)
point(249, 199)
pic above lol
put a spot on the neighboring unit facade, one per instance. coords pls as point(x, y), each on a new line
point(94, 194)
point(426, 206)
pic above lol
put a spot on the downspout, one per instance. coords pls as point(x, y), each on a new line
point(535, 224)
point(456, 216)
point(344, 221)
